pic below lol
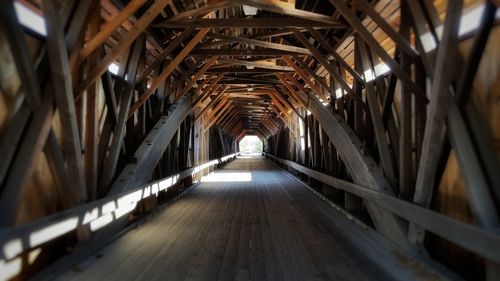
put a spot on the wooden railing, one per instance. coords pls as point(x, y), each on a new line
point(484, 242)
point(94, 215)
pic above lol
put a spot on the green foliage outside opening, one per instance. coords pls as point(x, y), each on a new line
point(251, 144)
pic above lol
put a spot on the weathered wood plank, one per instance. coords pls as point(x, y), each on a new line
point(463, 234)
point(111, 161)
point(142, 23)
point(360, 166)
point(63, 92)
point(168, 70)
point(436, 116)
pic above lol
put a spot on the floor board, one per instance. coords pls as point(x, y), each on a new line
point(269, 227)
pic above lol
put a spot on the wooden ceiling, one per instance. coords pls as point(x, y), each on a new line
point(246, 64)
point(224, 56)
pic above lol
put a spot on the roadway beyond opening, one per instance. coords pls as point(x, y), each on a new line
point(250, 221)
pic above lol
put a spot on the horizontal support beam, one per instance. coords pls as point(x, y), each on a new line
point(256, 70)
point(245, 23)
point(240, 52)
point(483, 242)
point(262, 44)
point(89, 214)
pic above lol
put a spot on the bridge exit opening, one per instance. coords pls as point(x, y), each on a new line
point(251, 145)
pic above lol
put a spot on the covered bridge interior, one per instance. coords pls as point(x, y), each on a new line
point(120, 124)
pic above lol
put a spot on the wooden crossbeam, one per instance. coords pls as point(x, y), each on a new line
point(282, 8)
point(249, 23)
point(376, 117)
point(225, 121)
point(233, 70)
point(97, 40)
point(287, 102)
point(463, 234)
point(259, 43)
point(168, 70)
point(401, 42)
point(209, 90)
point(31, 146)
point(331, 69)
point(256, 64)
point(141, 24)
point(232, 118)
point(239, 52)
point(360, 166)
point(219, 112)
point(111, 160)
point(318, 79)
point(90, 161)
point(280, 101)
point(194, 13)
point(436, 116)
point(331, 50)
point(291, 89)
point(356, 24)
point(171, 47)
point(196, 77)
point(305, 78)
point(63, 91)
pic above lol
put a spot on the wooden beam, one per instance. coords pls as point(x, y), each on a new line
point(209, 90)
point(171, 47)
point(194, 13)
point(111, 161)
point(221, 113)
point(263, 44)
point(141, 24)
point(211, 103)
point(331, 69)
point(12, 136)
point(91, 119)
point(98, 39)
point(226, 121)
point(10, 26)
point(11, 139)
point(356, 24)
point(400, 41)
point(287, 102)
point(436, 115)
point(463, 234)
point(282, 8)
point(31, 146)
point(168, 70)
point(291, 89)
point(318, 79)
point(239, 52)
point(257, 64)
point(325, 44)
point(233, 70)
point(196, 77)
point(376, 117)
point(305, 78)
point(63, 90)
point(361, 167)
point(249, 23)
point(280, 103)
point(406, 185)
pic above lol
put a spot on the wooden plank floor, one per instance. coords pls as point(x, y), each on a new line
point(249, 221)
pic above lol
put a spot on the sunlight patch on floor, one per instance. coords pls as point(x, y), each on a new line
point(227, 177)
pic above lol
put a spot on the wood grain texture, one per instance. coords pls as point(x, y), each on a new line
point(269, 228)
